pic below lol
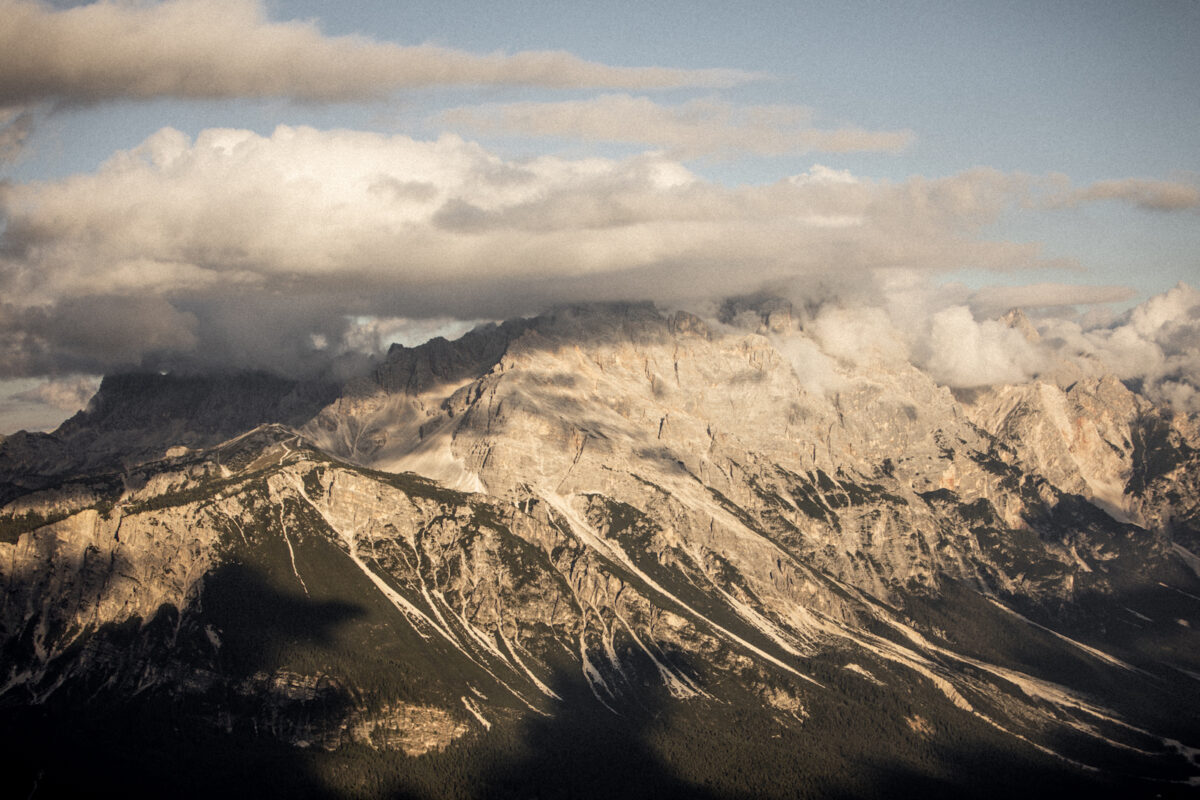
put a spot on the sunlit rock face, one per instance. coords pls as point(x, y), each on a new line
point(1080, 439)
point(680, 525)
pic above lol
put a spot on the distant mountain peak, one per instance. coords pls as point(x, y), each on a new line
point(1015, 318)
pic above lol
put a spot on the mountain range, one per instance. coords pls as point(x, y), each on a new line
point(606, 551)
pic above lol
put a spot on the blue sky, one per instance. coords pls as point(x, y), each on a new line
point(1093, 89)
point(155, 213)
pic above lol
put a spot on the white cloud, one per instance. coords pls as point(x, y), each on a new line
point(861, 335)
point(885, 322)
point(1156, 343)
point(376, 334)
point(233, 206)
point(1151, 195)
point(965, 353)
point(228, 48)
point(817, 371)
point(694, 128)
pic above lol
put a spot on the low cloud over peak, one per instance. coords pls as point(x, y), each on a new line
point(1155, 345)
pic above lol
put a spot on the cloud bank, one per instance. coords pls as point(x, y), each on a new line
point(221, 245)
point(1155, 345)
point(293, 252)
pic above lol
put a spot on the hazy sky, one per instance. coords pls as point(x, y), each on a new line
point(202, 183)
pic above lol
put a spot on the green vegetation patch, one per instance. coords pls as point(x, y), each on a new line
point(939, 496)
point(12, 526)
point(415, 485)
point(203, 490)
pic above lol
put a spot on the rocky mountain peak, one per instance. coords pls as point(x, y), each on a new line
point(413, 370)
point(1015, 318)
point(220, 404)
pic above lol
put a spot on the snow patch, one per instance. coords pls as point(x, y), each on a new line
point(475, 712)
point(677, 684)
point(590, 673)
point(1142, 617)
point(291, 552)
point(1181, 591)
point(856, 669)
point(614, 553)
point(543, 688)
point(213, 637)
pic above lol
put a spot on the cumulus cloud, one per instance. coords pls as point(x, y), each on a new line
point(966, 353)
point(694, 128)
point(1157, 344)
point(817, 371)
point(883, 322)
point(228, 48)
point(861, 335)
point(1151, 195)
point(894, 320)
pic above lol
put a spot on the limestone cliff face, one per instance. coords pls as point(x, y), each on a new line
point(1080, 439)
point(1098, 439)
point(879, 482)
point(90, 570)
point(642, 505)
